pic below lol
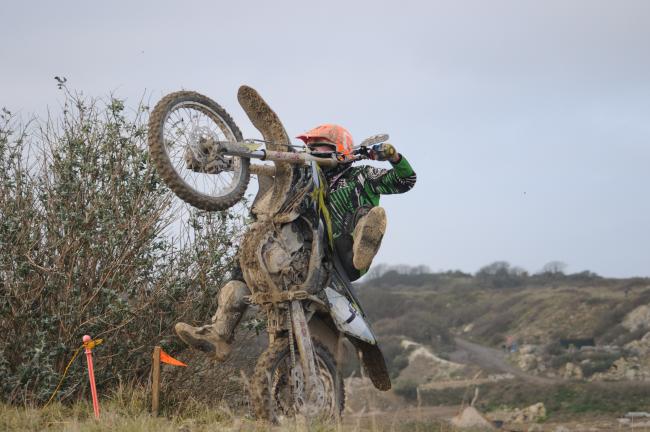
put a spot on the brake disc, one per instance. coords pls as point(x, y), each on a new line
point(202, 155)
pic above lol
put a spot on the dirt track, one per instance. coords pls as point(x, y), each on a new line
point(491, 360)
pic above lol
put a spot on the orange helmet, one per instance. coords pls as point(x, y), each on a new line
point(337, 135)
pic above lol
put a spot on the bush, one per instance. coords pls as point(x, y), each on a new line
point(559, 399)
point(84, 251)
point(609, 329)
point(555, 348)
point(599, 364)
point(500, 275)
point(495, 330)
point(589, 361)
point(419, 326)
point(407, 389)
point(396, 358)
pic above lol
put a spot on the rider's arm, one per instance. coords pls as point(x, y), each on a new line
point(401, 178)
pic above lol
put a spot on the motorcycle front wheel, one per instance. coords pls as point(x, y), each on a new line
point(276, 387)
point(180, 125)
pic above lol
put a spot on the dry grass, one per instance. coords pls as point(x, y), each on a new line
point(78, 417)
point(128, 410)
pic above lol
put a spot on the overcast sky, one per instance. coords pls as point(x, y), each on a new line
point(527, 122)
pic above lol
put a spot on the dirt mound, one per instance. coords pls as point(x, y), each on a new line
point(424, 366)
point(637, 319)
point(471, 418)
point(362, 397)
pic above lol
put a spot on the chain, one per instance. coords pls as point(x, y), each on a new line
point(292, 352)
point(291, 340)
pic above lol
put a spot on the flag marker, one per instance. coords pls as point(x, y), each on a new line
point(159, 356)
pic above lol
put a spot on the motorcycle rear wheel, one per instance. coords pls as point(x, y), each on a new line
point(177, 125)
point(272, 394)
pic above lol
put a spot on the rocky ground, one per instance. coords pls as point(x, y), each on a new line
point(629, 361)
point(467, 371)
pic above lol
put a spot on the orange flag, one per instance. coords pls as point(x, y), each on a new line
point(166, 358)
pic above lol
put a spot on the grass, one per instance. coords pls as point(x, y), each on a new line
point(78, 417)
point(561, 400)
point(128, 410)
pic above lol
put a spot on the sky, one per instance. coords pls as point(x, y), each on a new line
point(527, 122)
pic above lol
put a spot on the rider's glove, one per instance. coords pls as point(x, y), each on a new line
point(384, 151)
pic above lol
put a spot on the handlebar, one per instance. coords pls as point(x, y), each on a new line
point(251, 149)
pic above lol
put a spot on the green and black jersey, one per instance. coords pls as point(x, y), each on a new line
point(353, 187)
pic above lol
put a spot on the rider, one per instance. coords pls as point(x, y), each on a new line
point(358, 226)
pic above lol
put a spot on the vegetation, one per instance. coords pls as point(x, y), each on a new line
point(559, 400)
point(498, 302)
point(501, 300)
point(126, 409)
point(87, 248)
point(83, 220)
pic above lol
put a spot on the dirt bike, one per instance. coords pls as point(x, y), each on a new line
point(286, 255)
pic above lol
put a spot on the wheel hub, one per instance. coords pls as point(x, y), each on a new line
point(202, 154)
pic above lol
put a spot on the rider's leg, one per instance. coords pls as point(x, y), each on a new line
point(367, 235)
point(215, 339)
point(231, 308)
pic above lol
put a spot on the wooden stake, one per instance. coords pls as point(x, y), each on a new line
point(155, 380)
point(475, 397)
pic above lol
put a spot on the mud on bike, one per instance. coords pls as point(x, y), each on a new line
point(286, 255)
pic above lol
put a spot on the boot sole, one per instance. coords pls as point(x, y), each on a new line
point(199, 344)
point(367, 237)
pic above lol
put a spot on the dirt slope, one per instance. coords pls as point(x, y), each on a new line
point(492, 360)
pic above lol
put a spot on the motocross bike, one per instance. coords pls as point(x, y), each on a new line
point(286, 255)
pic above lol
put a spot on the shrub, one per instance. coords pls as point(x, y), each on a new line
point(407, 389)
point(396, 360)
point(420, 326)
point(500, 274)
point(84, 251)
point(600, 363)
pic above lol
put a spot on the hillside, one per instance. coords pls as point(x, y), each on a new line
point(537, 309)
point(505, 324)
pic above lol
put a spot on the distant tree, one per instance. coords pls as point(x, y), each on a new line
point(495, 268)
point(518, 271)
point(376, 271)
point(584, 276)
point(500, 274)
point(401, 269)
point(457, 273)
point(418, 270)
point(379, 270)
point(554, 267)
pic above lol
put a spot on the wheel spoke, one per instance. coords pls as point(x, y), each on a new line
point(284, 402)
point(185, 125)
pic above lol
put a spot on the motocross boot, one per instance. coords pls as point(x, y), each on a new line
point(215, 339)
point(367, 236)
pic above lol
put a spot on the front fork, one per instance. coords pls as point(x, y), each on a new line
point(298, 327)
point(304, 343)
point(299, 334)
